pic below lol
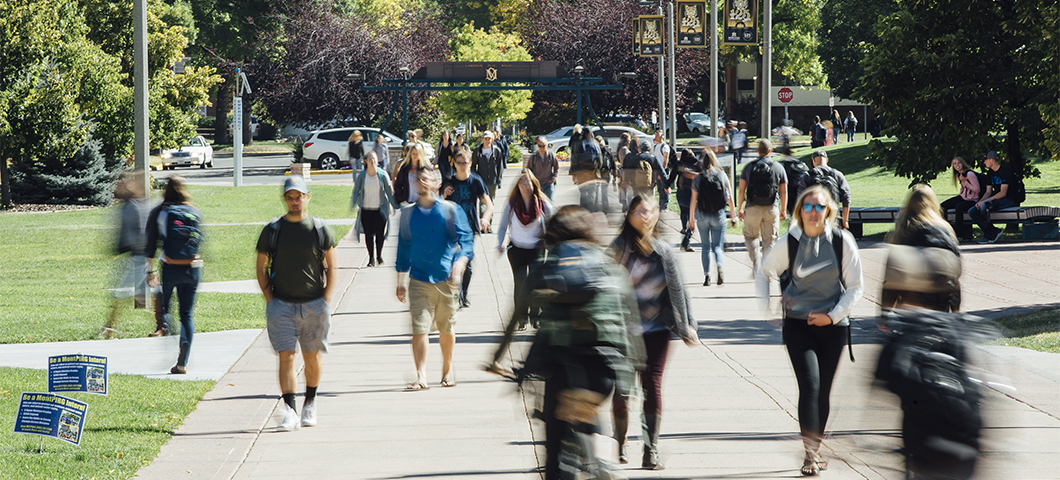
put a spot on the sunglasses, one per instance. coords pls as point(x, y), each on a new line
point(809, 207)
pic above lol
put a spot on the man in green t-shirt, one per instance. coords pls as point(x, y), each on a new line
point(296, 273)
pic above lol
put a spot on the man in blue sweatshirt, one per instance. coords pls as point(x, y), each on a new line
point(435, 246)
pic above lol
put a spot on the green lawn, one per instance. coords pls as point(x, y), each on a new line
point(874, 186)
point(57, 266)
point(1036, 330)
point(123, 430)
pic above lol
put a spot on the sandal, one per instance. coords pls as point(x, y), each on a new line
point(448, 380)
point(810, 467)
point(416, 386)
point(822, 464)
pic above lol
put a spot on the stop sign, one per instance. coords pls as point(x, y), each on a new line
point(785, 95)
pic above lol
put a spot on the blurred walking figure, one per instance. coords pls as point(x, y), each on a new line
point(545, 167)
point(682, 173)
point(374, 200)
point(176, 225)
point(625, 185)
point(525, 213)
point(467, 190)
point(585, 348)
point(382, 153)
point(665, 309)
point(921, 225)
point(762, 183)
point(435, 246)
point(444, 156)
point(710, 194)
point(356, 143)
point(822, 280)
point(586, 159)
point(405, 189)
point(296, 273)
point(132, 238)
point(924, 360)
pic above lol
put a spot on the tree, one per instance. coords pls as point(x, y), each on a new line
point(846, 39)
point(597, 35)
point(954, 77)
point(307, 85)
point(475, 45)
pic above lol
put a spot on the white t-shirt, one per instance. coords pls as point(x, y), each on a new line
point(414, 192)
point(371, 199)
point(662, 152)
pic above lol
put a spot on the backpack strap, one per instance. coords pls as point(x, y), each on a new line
point(837, 247)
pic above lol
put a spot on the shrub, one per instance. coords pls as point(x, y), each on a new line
point(83, 179)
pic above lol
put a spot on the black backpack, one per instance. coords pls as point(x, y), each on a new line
point(182, 233)
point(795, 170)
point(824, 178)
point(711, 197)
point(762, 188)
point(923, 362)
point(1018, 190)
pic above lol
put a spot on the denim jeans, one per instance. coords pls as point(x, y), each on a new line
point(684, 197)
point(712, 235)
point(549, 190)
point(185, 280)
point(981, 215)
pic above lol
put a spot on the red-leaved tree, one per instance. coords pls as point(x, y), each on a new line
point(307, 84)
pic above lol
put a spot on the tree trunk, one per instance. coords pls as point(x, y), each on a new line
point(1016, 162)
point(220, 123)
point(5, 184)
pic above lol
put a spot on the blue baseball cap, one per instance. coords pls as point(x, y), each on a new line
point(295, 182)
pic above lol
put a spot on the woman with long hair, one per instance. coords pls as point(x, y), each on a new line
point(181, 264)
point(710, 185)
point(850, 125)
point(374, 200)
point(921, 225)
point(405, 176)
point(444, 156)
point(382, 152)
point(965, 178)
point(625, 187)
point(356, 142)
point(664, 310)
point(526, 212)
point(823, 284)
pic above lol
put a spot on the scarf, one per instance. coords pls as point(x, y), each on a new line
point(519, 208)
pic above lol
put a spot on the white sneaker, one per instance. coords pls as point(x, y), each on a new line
point(309, 414)
point(290, 419)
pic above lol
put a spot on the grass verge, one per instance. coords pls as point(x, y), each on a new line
point(123, 431)
point(1038, 330)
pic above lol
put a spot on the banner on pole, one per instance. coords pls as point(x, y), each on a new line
point(636, 36)
point(651, 35)
point(51, 416)
point(741, 22)
point(78, 373)
point(691, 26)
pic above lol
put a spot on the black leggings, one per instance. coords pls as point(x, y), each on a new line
point(960, 207)
point(568, 368)
point(814, 353)
point(374, 225)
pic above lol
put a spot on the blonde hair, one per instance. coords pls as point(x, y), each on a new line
point(421, 157)
point(956, 174)
point(921, 208)
point(829, 203)
point(356, 136)
point(710, 160)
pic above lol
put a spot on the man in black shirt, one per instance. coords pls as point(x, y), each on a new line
point(1001, 182)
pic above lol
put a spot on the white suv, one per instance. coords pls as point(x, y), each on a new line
point(330, 149)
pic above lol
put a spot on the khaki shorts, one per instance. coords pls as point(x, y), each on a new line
point(761, 221)
point(433, 307)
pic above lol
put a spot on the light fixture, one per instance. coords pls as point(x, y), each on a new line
point(354, 76)
point(579, 69)
point(404, 69)
point(628, 74)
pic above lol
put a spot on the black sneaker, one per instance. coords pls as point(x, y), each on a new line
point(721, 278)
point(371, 263)
point(706, 280)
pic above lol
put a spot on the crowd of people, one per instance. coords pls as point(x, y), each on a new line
point(604, 317)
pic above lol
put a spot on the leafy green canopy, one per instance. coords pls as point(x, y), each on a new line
point(960, 77)
point(470, 44)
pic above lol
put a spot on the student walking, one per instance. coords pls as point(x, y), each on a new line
point(405, 190)
point(824, 282)
point(176, 224)
point(762, 183)
point(296, 273)
point(435, 245)
point(545, 167)
point(710, 194)
point(373, 199)
point(525, 213)
point(664, 308)
point(469, 192)
point(356, 145)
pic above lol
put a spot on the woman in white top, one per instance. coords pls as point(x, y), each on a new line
point(373, 197)
point(525, 212)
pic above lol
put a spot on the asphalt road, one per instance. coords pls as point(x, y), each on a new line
point(257, 170)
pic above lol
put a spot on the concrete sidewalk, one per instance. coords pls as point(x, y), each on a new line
point(729, 407)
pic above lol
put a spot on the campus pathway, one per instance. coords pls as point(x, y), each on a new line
point(729, 405)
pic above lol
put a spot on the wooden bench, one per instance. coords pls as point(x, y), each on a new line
point(1014, 215)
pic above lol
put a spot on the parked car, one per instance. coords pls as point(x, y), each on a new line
point(254, 126)
point(197, 152)
point(699, 123)
point(330, 149)
point(558, 138)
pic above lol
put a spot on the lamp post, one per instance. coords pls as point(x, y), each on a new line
point(404, 105)
point(578, 91)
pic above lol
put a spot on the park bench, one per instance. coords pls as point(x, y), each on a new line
point(1039, 223)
